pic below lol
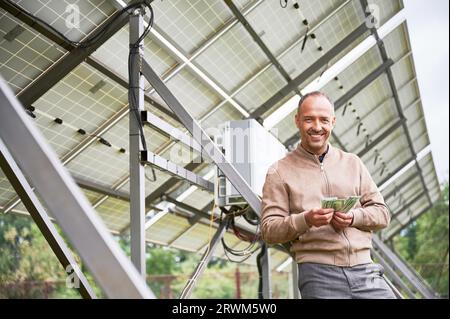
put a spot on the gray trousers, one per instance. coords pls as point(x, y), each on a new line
point(319, 281)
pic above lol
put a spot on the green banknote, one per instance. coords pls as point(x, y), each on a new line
point(339, 204)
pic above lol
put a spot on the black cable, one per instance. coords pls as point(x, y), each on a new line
point(245, 252)
point(249, 220)
point(345, 109)
point(134, 50)
point(305, 37)
point(259, 266)
point(283, 5)
point(88, 42)
point(148, 178)
point(237, 261)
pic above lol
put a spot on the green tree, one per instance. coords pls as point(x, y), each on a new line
point(162, 265)
point(425, 244)
point(28, 266)
point(217, 280)
point(411, 236)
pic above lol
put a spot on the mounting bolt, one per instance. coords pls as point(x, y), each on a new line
point(144, 156)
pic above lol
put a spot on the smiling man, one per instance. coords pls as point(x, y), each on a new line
point(332, 248)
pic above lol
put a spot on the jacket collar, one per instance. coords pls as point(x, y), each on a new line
point(304, 153)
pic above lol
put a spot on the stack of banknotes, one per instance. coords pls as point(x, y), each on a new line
point(339, 204)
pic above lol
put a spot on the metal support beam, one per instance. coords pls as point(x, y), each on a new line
point(137, 173)
point(393, 275)
point(397, 293)
point(42, 220)
point(382, 136)
point(363, 84)
point(397, 188)
point(99, 66)
point(167, 44)
point(414, 271)
point(312, 69)
point(19, 13)
point(66, 202)
point(202, 138)
point(178, 171)
point(392, 234)
point(425, 290)
point(187, 291)
point(398, 263)
point(164, 188)
point(412, 103)
point(196, 219)
point(408, 204)
point(202, 213)
point(409, 160)
point(168, 130)
point(387, 99)
point(107, 191)
point(83, 183)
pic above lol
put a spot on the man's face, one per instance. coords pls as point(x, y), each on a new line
point(315, 120)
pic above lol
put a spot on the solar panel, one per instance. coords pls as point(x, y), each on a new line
point(232, 59)
point(114, 54)
point(114, 213)
point(260, 89)
point(190, 24)
point(61, 15)
point(26, 55)
point(192, 93)
point(6, 190)
point(72, 101)
point(87, 99)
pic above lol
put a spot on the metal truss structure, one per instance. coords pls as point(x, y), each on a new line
point(25, 154)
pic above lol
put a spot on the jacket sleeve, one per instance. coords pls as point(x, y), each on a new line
point(373, 213)
point(278, 225)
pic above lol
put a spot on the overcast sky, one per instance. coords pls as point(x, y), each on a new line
point(428, 30)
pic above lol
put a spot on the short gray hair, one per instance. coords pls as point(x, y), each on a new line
point(313, 93)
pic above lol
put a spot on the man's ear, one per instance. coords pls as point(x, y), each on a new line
point(333, 121)
point(297, 120)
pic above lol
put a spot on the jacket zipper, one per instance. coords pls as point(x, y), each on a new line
point(348, 246)
point(329, 194)
point(324, 175)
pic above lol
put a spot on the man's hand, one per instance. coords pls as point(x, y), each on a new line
point(319, 216)
point(341, 220)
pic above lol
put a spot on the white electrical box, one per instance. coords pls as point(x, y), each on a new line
point(251, 149)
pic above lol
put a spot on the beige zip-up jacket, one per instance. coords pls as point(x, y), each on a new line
point(296, 183)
